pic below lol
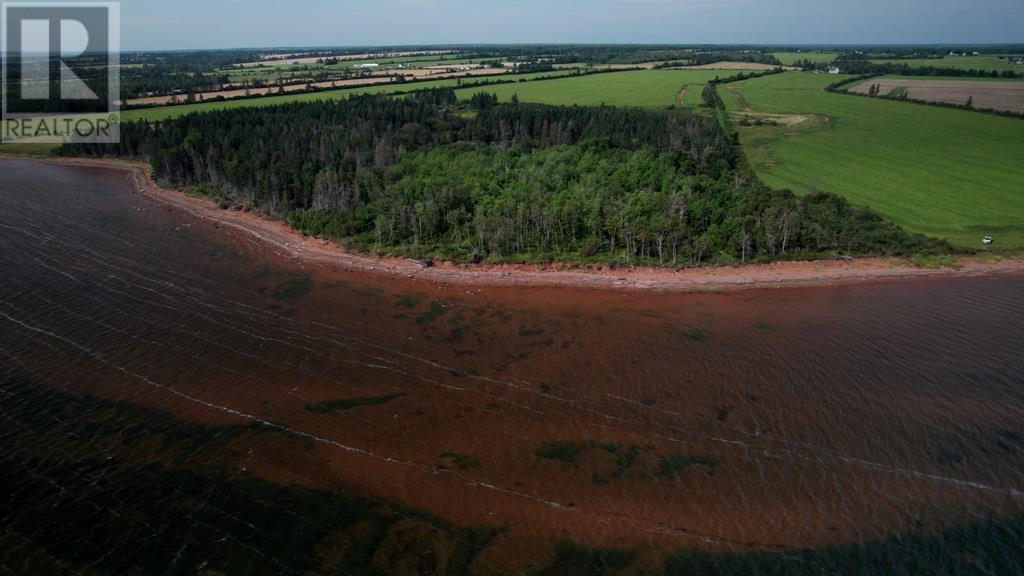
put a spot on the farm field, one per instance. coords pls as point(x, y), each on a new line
point(343, 83)
point(1005, 96)
point(958, 78)
point(285, 60)
point(285, 70)
point(790, 58)
point(990, 63)
point(165, 112)
point(731, 66)
point(261, 91)
point(638, 88)
point(940, 171)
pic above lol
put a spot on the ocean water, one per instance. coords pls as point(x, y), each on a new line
point(177, 397)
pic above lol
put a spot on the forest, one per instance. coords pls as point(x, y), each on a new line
point(430, 177)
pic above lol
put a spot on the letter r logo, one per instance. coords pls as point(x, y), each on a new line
point(42, 37)
point(37, 46)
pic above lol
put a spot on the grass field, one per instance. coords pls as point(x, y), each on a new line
point(790, 58)
point(638, 88)
point(944, 172)
point(27, 149)
point(961, 63)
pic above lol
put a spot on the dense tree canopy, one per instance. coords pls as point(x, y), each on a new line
point(427, 176)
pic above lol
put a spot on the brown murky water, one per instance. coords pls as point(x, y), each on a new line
point(188, 390)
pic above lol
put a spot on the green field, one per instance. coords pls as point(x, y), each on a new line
point(639, 88)
point(944, 172)
point(991, 63)
point(790, 58)
point(27, 149)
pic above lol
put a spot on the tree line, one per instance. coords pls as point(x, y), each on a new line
point(862, 67)
point(428, 176)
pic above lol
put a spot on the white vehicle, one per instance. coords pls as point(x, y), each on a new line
point(986, 240)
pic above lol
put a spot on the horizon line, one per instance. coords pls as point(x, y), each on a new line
point(581, 44)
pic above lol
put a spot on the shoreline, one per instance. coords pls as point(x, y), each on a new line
point(698, 279)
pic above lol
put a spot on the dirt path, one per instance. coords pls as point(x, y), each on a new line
point(708, 278)
point(739, 99)
point(681, 96)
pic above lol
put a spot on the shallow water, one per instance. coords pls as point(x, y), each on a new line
point(178, 398)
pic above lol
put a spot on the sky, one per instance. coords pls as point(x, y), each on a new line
point(193, 24)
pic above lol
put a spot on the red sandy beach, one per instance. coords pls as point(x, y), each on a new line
point(778, 274)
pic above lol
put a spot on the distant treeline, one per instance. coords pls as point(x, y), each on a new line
point(184, 71)
point(857, 64)
point(702, 59)
point(427, 176)
point(906, 51)
point(148, 80)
